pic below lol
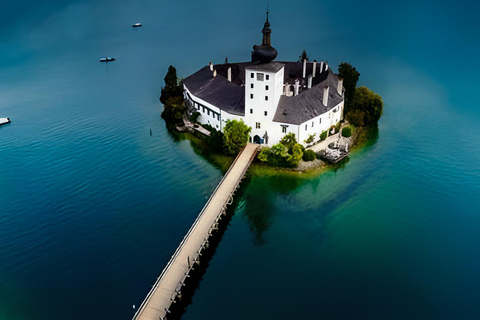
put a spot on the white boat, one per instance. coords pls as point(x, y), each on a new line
point(136, 25)
point(107, 59)
point(4, 121)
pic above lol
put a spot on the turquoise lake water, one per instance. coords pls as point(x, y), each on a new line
point(92, 206)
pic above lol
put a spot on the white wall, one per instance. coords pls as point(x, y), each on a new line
point(258, 110)
point(209, 114)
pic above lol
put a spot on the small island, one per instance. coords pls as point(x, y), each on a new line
point(301, 113)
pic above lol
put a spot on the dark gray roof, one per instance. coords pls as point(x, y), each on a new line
point(309, 103)
point(271, 66)
point(230, 96)
point(217, 91)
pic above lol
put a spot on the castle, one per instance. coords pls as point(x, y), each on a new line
point(273, 98)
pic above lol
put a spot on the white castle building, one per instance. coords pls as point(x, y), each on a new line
point(273, 98)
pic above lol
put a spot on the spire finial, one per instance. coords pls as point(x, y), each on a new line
point(267, 12)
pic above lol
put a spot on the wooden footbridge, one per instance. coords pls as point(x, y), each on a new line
point(172, 279)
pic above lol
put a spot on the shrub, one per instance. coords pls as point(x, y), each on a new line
point(264, 154)
point(310, 139)
point(337, 127)
point(194, 117)
point(323, 135)
point(235, 136)
point(356, 117)
point(308, 155)
point(347, 132)
point(297, 154)
point(289, 141)
point(330, 130)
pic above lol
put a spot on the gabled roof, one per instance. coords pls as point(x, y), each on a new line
point(217, 91)
point(308, 104)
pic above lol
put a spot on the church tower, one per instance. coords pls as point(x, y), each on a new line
point(263, 88)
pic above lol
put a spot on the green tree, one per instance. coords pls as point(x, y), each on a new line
point(323, 135)
point(347, 132)
point(289, 140)
point(350, 77)
point(303, 56)
point(264, 154)
point(173, 87)
point(174, 110)
point(370, 104)
point(310, 138)
point(297, 154)
point(235, 136)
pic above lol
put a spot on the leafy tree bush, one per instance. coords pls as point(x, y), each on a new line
point(289, 141)
point(194, 117)
point(264, 154)
point(278, 155)
point(323, 135)
point(303, 56)
point(174, 110)
point(310, 139)
point(235, 136)
point(347, 132)
point(309, 155)
point(215, 140)
point(356, 117)
point(173, 87)
point(350, 77)
point(337, 127)
point(297, 154)
point(370, 104)
point(330, 130)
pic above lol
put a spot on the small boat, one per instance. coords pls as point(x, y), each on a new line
point(136, 25)
point(4, 121)
point(107, 59)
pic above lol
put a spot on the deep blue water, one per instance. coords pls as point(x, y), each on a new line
point(92, 206)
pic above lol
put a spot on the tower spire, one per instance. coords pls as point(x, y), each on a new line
point(267, 12)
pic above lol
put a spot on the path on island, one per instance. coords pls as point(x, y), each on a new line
point(170, 282)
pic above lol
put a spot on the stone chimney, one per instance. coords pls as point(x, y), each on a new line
point(326, 66)
point(304, 68)
point(310, 78)
point(340, 86)
point(325, 96)
point(321, 66)
point(287, 90)
point(214, 73)
point(297, 86)
point(229, 74)
point(314, 68)
point(210, 65)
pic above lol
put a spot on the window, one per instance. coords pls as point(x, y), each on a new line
point(266, 87)
point(257, 125)
point(312, 124)
point(305, 127)
point(266, 98)
point(284, 129)
point(259, 76)
point(251, 95)
point(320, 120)
point(265, 112)
point(218, 117)
point(267, 77)
point(251, 85)
point(213, 115)
point(208, 112)
point(198, 106)
point(251, 110)
point(251, 75)
point(203, 109)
